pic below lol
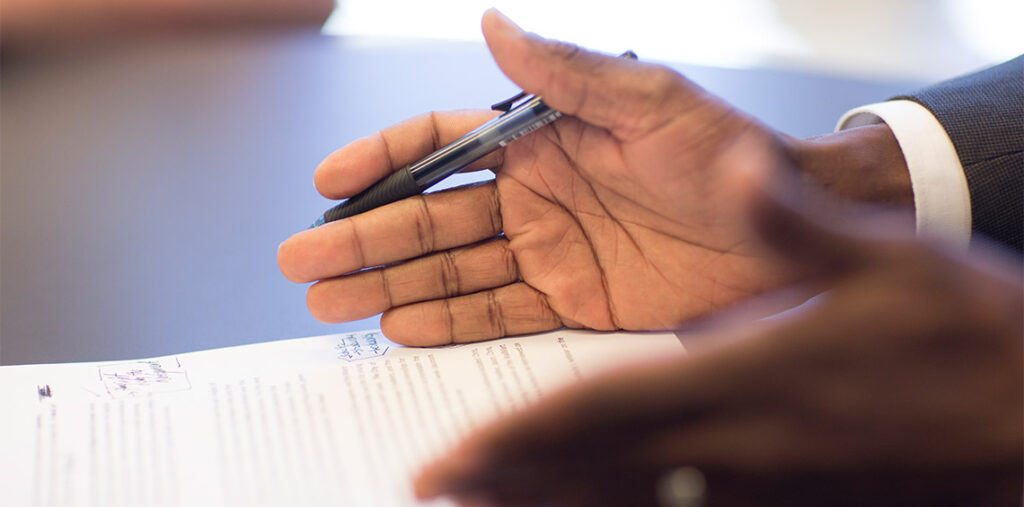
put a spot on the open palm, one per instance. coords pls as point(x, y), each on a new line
point(615, 217)
point(629, 234)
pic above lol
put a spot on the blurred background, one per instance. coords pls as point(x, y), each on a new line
point(904, 39)
point(154, 153)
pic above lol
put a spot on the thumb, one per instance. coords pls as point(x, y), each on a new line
point(624, 96)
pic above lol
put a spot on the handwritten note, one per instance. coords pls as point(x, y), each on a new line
point(139, 378)
point(356, 346)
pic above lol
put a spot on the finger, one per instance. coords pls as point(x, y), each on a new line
point(402, 230)
point(443, 275)
point(364, 161)
point(599, 474)
point(602, 481)
point(699, 410)
point(714, 408)
point(606, 409)
point(624, 96)
point(707, 402)
point(626, 462)
point(745, 442)
point(509, 310)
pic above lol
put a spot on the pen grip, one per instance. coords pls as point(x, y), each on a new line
point(399, 185)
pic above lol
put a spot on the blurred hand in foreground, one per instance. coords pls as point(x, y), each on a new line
point(902, 385)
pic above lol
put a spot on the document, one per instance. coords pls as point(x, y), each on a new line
point(343, 419)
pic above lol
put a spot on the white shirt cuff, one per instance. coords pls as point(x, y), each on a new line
point(942, 200)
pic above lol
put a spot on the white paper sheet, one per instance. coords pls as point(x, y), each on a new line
point(332, 420)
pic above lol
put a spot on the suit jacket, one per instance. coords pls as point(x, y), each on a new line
point(983, 113)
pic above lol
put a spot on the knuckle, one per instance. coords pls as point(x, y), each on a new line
point(661, 81)
point(493, 206)
point(661, 94)
point(448, 321)
point(434, 122)
point(562, 50)
point(385, 286)
point(495, 318)
point(509, 261)
point(449, 273)
point(576, 66)
point(424, 223)
point(356, 245)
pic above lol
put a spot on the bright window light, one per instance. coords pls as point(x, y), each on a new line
point(920, 39)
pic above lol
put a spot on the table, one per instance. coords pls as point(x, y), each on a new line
point(145, 188)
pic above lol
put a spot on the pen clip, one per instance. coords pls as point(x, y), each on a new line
point(506, 105)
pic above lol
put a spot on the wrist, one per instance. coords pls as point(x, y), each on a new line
point(863, 164)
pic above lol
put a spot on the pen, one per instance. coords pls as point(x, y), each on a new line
point(516, 121)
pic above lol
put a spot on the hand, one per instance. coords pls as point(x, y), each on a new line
point(901, 386)
point(611, 218)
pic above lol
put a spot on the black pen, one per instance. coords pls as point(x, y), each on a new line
point(516, 121)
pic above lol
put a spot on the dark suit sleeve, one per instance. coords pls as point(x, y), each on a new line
point(983, 113)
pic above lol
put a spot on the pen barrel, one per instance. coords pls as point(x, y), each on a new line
point(399, 185)
point(486, 138)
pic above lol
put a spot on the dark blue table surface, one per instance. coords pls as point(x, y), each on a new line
point(144, 189)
